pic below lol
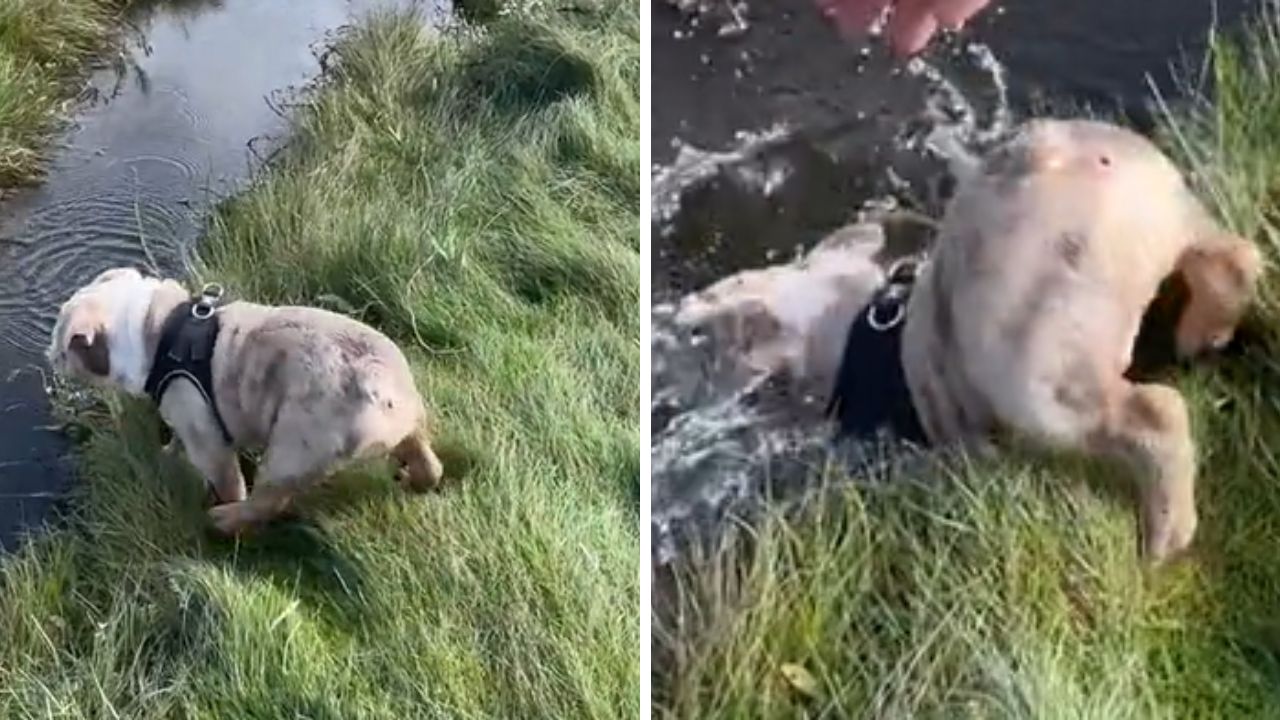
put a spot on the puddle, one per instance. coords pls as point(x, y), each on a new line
point(769, 133)
point(178, 121)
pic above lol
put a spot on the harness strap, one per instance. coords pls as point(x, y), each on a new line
point(185, 350)
point(871, 396)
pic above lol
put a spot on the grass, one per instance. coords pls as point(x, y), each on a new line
point(474, 195)
point(1010, 588)
point(43, 43)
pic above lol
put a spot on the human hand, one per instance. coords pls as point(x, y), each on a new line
point(911, 24)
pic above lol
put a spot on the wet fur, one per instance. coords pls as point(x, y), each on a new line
point(312, 388)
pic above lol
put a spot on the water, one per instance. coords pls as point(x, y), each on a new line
point(833, 108)
point(769, 133)
point(180, 119)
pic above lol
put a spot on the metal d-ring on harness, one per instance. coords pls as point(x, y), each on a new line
point(210, 295)
point(891, 299)
point(185, 350)
point(871, 396)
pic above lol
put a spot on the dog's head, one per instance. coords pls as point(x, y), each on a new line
point(1221, 277)
point(91, 340)
point(736, 318)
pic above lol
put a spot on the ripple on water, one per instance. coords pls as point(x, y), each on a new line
point(64, 245)
point(132, 182)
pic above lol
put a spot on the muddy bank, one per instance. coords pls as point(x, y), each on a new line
point(195, 99)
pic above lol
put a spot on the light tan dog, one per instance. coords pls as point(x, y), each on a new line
point(1025, 317)
point(312, 388)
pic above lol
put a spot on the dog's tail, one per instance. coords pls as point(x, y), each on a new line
point(421, 470)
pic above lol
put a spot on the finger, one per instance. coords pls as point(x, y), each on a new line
point(955, 13)
point(911, 26)
point(853, 17)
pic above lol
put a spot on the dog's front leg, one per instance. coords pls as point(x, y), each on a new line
point(229, 483)
point(1150, 430)
point(194, 425)
point(220, 468)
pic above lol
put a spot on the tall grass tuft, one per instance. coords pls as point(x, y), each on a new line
point(43, 43)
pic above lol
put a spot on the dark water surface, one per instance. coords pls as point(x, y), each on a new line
point(770, 132)
point(176, 122)
point(843, 102)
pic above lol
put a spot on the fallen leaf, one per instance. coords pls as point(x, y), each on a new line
point(800, 680)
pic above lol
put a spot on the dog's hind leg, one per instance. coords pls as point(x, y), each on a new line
point(420, 469)
point(1149, 429)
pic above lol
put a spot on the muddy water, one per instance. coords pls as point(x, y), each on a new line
point(769, 132)
point(178, 120)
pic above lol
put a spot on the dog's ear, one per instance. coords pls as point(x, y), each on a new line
point(1227, 265)
point(91, 348)
point(1220, 275)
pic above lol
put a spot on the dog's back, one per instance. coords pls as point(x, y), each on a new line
point(1025, 319)
point(1045, 264)
point(319, 367)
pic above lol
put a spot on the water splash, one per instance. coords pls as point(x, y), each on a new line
point(730, 15)
point(713, 435)
point(694, 165)
point(952, 127)
point(725, 446)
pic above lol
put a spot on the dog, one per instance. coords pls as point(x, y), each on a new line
point(1022, 319)
point(311, 388)
point(790, 319)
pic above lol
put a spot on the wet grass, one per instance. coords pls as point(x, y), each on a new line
point(43, 44)
point(492, 229)
point(1012, 588)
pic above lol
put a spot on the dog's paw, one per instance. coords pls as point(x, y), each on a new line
point(228, 519)
point(1168, 534)
point(416, 483)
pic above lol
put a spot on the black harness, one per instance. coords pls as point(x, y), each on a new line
point(185, 351)
point(871, 396)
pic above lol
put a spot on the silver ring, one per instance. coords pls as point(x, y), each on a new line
point(909, 262)
point(213, 291)
point(202, 311)
point(873, 319)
